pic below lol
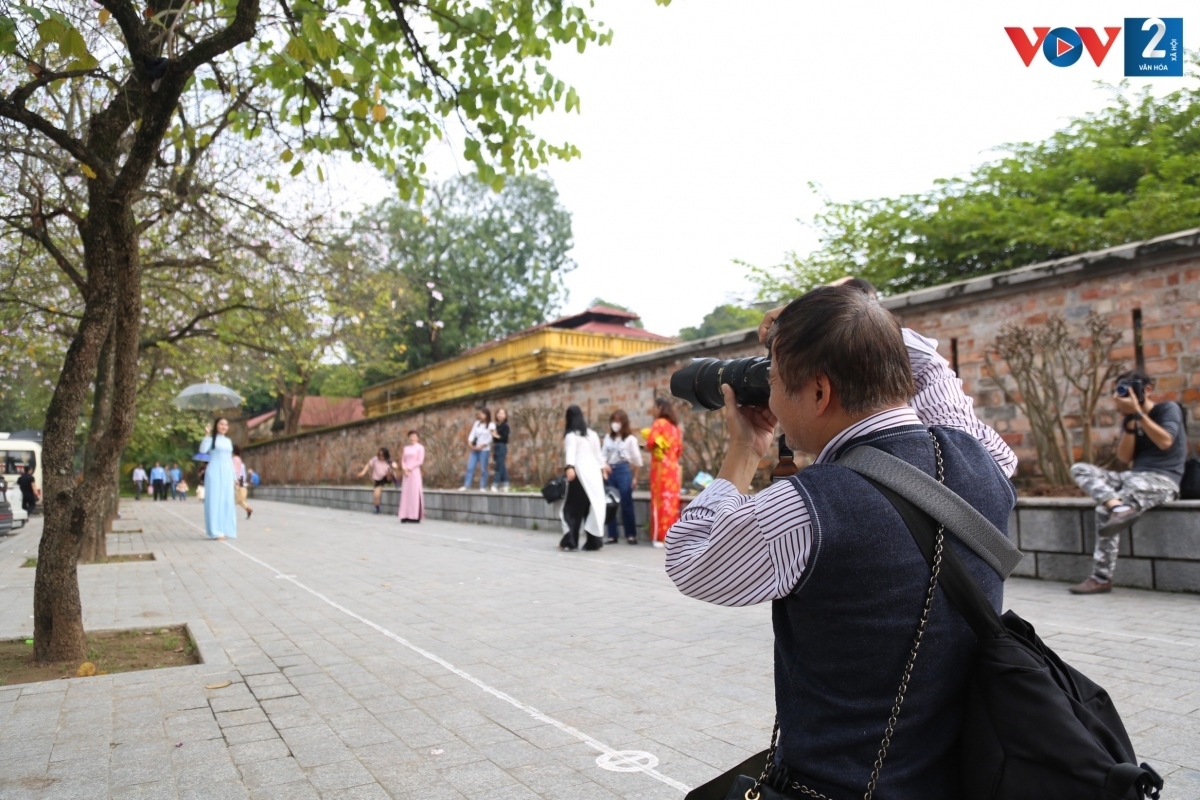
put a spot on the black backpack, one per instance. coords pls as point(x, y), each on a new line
point(1189, 487)
point(1034, 726)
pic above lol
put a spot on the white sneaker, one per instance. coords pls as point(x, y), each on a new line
point(659, 545)
point(462, 488)
point(494, 489)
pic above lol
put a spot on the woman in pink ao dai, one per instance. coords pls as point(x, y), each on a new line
point(412, 499)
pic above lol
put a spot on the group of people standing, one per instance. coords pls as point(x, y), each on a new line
point(488, 439)
point(592, 465)
point(161, 481)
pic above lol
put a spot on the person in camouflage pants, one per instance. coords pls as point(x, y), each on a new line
point(1154, 443)
point(1139, 490)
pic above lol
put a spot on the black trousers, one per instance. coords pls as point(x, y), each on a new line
point(576, 508)
point(160, 490)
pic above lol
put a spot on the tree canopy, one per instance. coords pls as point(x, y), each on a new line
point(1128, 172)
point(461, 267)
point(723, 319)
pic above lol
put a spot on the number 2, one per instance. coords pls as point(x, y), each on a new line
point(1151, 51)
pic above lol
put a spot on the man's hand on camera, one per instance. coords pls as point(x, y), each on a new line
point(1127, 404)
point(751, 429)
point(764, 327)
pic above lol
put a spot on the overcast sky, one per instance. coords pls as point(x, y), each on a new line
point(704, 122)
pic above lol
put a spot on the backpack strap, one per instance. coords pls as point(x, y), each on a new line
point(954, 580)
point(972, 528)
point(1123, 777)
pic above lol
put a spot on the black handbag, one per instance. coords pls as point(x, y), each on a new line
point(1189, 487)
point(555, 489)
point(1033, 725)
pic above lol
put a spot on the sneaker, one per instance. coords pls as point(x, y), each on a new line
point(659, 545)
point(1092, 585)
point(462, 488)
point(1119, 518)
point(494, 489)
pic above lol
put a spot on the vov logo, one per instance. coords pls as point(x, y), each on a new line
point(1153, 45)
point(1062, 47)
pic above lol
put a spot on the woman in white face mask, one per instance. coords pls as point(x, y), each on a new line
point(622, 460)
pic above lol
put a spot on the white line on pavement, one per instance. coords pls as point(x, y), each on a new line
point(631, 760)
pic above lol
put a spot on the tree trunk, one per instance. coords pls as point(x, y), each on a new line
point(113, 301)
point(92, 547)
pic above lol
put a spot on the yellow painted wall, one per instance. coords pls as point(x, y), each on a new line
point(547, 351)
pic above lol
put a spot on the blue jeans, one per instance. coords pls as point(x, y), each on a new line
point(480, 458)
point(622, 479)
point(500, 453)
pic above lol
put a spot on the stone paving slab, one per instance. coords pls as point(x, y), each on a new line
point(373, 660)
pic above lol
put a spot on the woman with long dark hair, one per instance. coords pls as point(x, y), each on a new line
point(584, 505)
point(412, 493)
point(622, 460)
point(220, 518)
point(666, 446)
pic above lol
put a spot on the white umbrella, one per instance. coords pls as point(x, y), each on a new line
point(207, 397)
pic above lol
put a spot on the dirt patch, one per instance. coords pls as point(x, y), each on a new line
point(108, 652)
point(124, 530)
point(29, 562)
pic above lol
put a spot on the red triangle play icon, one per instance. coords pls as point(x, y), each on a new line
point(1064, 47)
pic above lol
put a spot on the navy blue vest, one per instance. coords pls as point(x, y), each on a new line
point(844, 633)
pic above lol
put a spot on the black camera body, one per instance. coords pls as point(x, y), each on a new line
point(1132, 386)
point(700, 382)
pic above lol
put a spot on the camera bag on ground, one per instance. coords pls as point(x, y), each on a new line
point(1033, 726)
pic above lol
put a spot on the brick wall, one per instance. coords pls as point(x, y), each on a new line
point(335, 455)
point(1161, 278)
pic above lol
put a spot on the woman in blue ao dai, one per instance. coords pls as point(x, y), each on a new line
point(220, 516)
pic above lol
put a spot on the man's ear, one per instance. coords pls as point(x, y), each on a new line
point(822, 394)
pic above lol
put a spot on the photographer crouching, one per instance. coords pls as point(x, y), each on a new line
point(1153, 441)
point(848, 583)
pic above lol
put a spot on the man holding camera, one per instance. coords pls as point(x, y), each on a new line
point(846, 579)
point(1153, 441)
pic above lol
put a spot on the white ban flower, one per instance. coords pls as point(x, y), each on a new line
point(420, 323)
point(431, 284)
point(437, 295)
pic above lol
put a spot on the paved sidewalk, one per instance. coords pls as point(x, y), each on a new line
point(374, 660)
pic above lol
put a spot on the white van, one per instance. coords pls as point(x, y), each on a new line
point(15, 455)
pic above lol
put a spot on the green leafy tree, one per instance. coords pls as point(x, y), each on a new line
point(464, 266)
point(723, 319)
point(108, 90)
point(1128, 172)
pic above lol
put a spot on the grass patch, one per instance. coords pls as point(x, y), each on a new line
point(108, 651)
point(30, 562)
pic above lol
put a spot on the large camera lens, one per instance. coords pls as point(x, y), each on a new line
point(700, 382)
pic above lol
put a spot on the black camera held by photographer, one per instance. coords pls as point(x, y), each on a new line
point(700, 382)
point(1132, 385)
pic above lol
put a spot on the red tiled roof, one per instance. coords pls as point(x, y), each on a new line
point(254, 422)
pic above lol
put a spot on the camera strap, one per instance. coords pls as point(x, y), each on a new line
point(935, 499)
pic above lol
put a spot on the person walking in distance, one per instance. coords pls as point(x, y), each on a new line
point(174, 475)
point(480, 442)
point(220, 518)
point(1154, 444)
point(845, 577)
point(622, 460)
point(139, 481)
point(158, 481)
point(412, 492)
point(381, 467)
point(29, 489)
point(665, 445)
point(500, 432)
point(583, 507)
point(241, 489)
